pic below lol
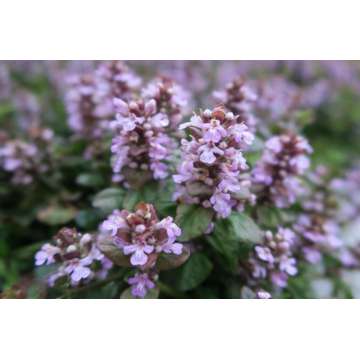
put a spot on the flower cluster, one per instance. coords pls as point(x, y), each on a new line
point(273, 260)
point(213, 169)
point(277, 98)
point(142, 237)
point(347, 194)
point(82, 106)
point(318, 234)
point(78, 257)
point(140, 143)
point(316, 226)
point(171, 99)
point(239, 98)
point(114, 80)
point(276, 173)
point(25, 159)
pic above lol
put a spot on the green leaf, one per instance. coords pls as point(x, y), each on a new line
point(269, 217)
point(193, 220)
point(131, 199)
point(109, 199)
point(193, 272)
point(87, 219)
point(244, 228)
point(56, 215)
point(90, 180)
point(233, 238)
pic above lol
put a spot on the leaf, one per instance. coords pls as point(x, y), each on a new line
point(152, 294)
point(193, 272)
point(90, 180)
point(269, 217)
point(56, 215)
point(193, 220)
point(233, 237)
point(109, 199)
point(110, 250)
point(244, 228)
point(131, 199)
point(87, 219)
point(172, 261)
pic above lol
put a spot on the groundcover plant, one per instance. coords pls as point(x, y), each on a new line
point(179, 179)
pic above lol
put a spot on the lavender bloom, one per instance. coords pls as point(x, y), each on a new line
point(46, 255)
point(317, 227)
point(24, 160)
point(273, 260)
point(276, 174)
point(141, 236)
point(239, 98)
point(78, 257)
point(141, 284)
point(213, 169)
point(140, 143)
point(277, 98)
point(82, 104)
point(347, 195)
point(171, 99)
point(114, 80)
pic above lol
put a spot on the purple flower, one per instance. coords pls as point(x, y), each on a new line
point(78, 257)
point(142, 236)
point(140, 284)
point(171, 100)
point(239, 99)
point(213, 169)
point(138, 252)
point(140, 141)
point(46, 255)
point(273, 260)
point(276, 174)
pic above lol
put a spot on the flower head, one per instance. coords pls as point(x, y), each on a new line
point(140, 143)
point(77, 255)
point(273, 259)
point(171, 99)
point(213, 169)
point(276, 174)
point(141, 236)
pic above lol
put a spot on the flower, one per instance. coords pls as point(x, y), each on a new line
point(212, 171)
point(276, 174)
point(239, 99)
point(46, 255)
point(317, 225)
point(78, 257)
point(82, 103)
point(140, 142)
point(23, 160)
point(171, 99)
point(114, 80)
point(141, 283)
point(273, 259)
point(141, 236)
